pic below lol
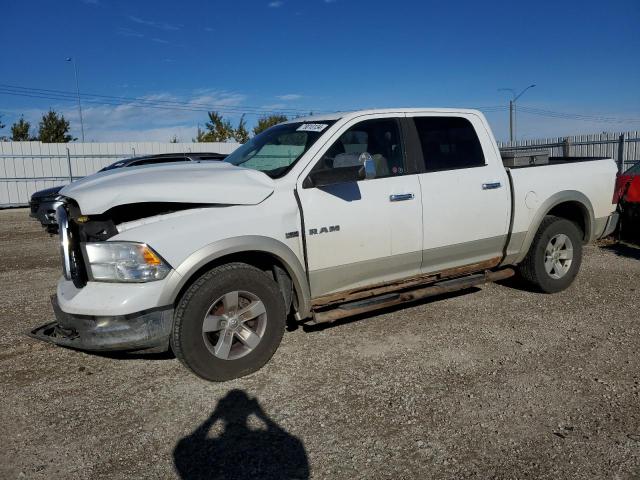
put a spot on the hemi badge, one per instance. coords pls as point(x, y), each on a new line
point(292, 234)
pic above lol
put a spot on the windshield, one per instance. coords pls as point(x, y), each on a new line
point(277, 149)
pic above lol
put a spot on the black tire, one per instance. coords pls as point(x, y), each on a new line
point(532, 269)
point(188, 341)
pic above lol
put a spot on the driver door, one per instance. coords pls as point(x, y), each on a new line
point(361, 232)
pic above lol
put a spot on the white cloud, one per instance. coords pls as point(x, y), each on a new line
point(91, 2)
point(219, 98)
point(289, 97)
point(154, 24)
point(276, 4)
point(127, 32)
point(184, 133)
point(159, 40)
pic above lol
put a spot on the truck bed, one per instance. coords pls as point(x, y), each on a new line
point(562, 161)
point(536, 189)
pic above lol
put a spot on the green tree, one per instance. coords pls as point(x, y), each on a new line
point(241, 134)
point(173, 139)
point(54, 128)
point(2, 125)
point(20, 131)
point(268, 121)
point(217, 129)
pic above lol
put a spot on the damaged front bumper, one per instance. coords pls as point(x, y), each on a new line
point(145, 330)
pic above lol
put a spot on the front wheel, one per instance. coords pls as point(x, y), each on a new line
point(554, 258)
point(229, 323)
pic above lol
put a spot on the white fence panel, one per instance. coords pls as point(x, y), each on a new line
point(26, 167)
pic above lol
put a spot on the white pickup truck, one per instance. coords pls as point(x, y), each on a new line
point(313, 220)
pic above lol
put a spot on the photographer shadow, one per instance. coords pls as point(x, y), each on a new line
point(240, 452)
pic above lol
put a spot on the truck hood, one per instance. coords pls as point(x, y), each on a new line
point(185, 182)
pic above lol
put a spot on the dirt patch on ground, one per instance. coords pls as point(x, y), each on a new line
point(496, 383)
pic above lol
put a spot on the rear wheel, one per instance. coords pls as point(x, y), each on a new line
point(229, 323)
point(554, 258)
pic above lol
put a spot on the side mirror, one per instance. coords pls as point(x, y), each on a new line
point(368, 169)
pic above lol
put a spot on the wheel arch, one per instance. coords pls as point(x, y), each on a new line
point(254, 250)
point(569, 204)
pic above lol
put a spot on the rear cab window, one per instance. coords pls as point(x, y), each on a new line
point(448, 143)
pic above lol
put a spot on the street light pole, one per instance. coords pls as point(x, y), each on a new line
point(75, 69)
point(512, 109)
point(511, 120)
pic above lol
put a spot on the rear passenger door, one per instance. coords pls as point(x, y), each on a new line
point(465, 193)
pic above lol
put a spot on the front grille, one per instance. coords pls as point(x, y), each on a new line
point(65, 240)
point(70, 252)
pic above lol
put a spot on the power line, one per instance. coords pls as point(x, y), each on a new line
point(141, 101)
point(63, 95)
point(577, 116)
point(176, 105)
point(130, 104)
point(144, 100)
point(491, 109)
point(133, 102)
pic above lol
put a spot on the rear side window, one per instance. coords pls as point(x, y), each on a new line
point(448, 143)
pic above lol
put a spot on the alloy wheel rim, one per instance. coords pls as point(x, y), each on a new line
point(558, 256)
point(234, 325)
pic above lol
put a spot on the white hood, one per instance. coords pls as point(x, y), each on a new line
point(208, 183)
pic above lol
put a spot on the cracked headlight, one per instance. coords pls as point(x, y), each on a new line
point(124, 262)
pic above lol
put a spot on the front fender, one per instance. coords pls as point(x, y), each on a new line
point(228, 246)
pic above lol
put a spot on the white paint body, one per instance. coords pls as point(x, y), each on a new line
point(172, 182)
point(377, 241)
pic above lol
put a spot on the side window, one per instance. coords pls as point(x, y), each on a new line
point(448, 143)
point(380, 138)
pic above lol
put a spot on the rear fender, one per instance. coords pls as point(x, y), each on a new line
point(548, 205)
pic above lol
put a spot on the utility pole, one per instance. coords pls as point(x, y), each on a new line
point(512, 109)
point(75, 69)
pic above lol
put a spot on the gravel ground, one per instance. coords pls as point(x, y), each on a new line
point(494, 383)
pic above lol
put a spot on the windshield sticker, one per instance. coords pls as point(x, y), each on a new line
point(312, 127)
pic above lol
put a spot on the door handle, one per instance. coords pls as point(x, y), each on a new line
point(491, 185)
point(401, 197)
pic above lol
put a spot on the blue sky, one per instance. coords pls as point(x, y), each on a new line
point(323, 55)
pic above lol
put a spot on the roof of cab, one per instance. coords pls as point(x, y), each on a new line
point(358, 113)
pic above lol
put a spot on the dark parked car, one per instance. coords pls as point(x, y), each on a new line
point(43, 203)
